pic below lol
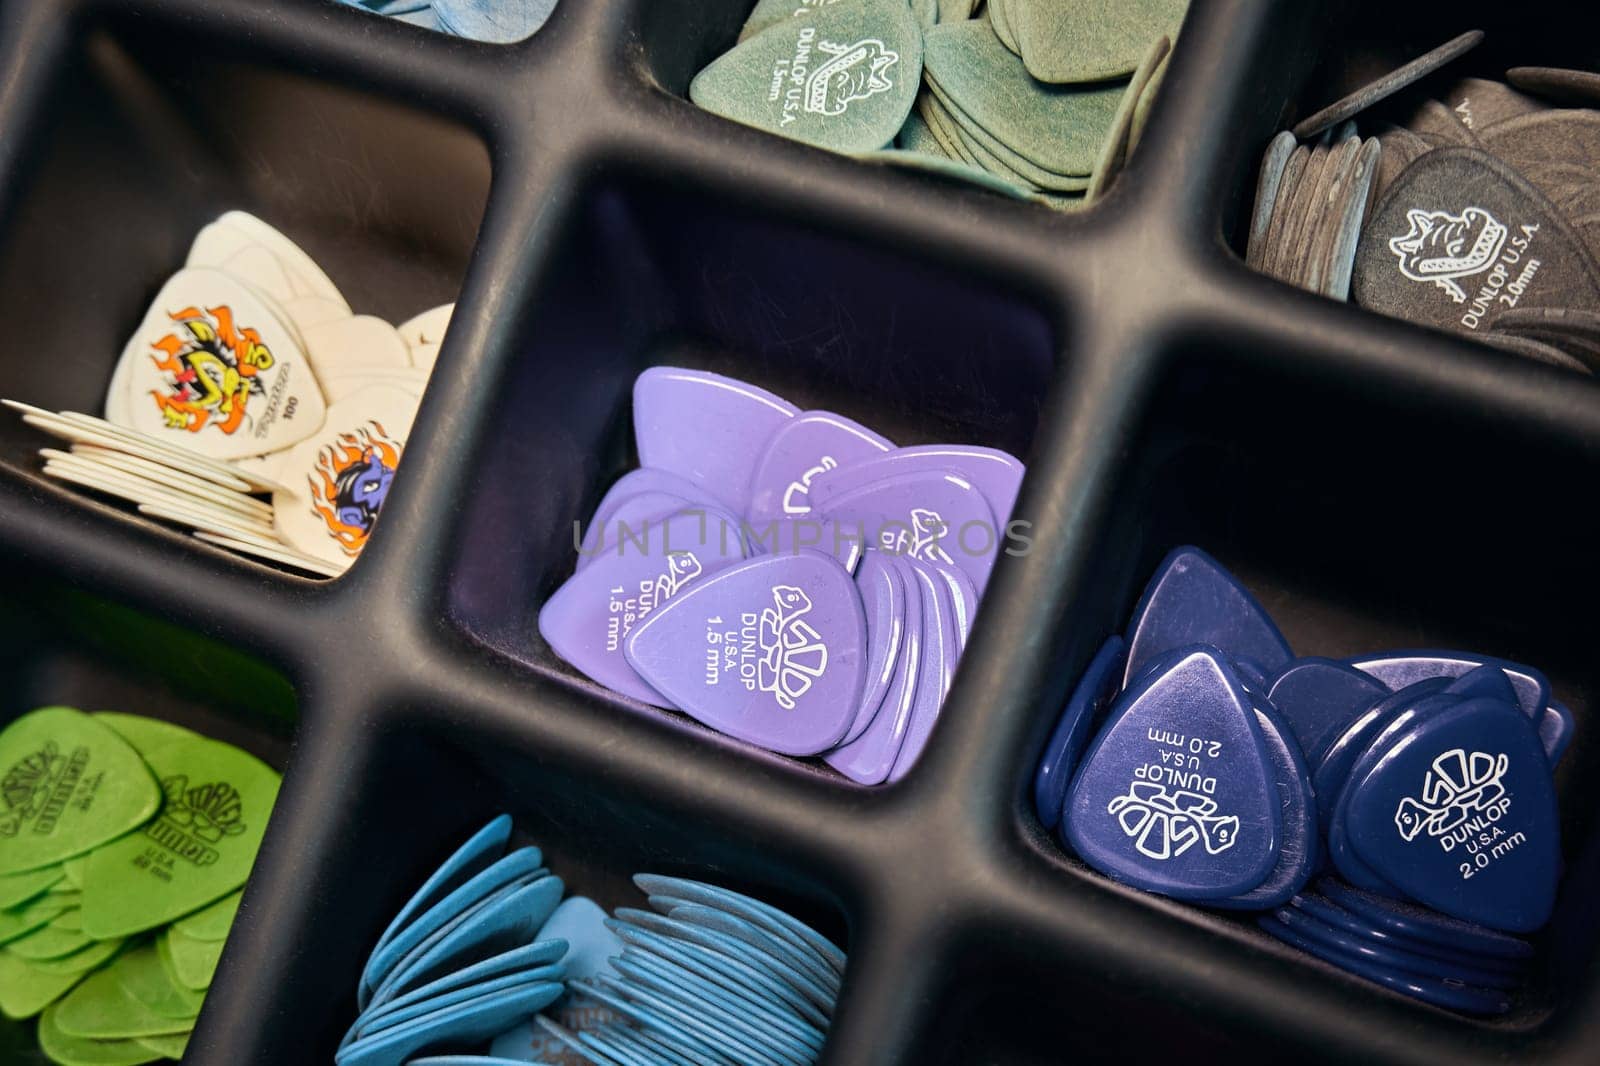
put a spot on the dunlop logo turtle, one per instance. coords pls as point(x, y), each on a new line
point(1166, 823)
point(1458, 786)
point(793, 654)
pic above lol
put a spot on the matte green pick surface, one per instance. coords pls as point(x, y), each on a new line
point(100, 1009)
point(26, 990)
point(1014, 165)
point(213, 922)
point(841, 77)
point(143, 975)
point(145, 734)
point(173, 1047)
point(80, 962)
point(17, 889)
point(76, 1051)
point(1059, 128)
point(48, 943)
point(768, 13)
point(197, 850)
point(18, 923)
point(1075, 41)
point(193, 962)
point(1114, 150)
point(71, 784)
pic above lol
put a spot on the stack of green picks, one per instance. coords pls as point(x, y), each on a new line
point(1036, 99)
point(124, 846)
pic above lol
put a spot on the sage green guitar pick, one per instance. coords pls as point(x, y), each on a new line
point(1059, 128)
point(1000, 20)
point(48, 942)
point(1076, 41)
point(1011, 163)
point(17, 889)
point(768, 13)
point(927, 12)
point(142, 975)
point(193, 962)
point(143, 733)
point(76, 1051)
point(68, 784)
point(100, 1009)
point(26, 990)
point(956, 10)
point(915, 136)
point(1114, 150)
point(843, 76)
point(196, 850)
point(213, 922)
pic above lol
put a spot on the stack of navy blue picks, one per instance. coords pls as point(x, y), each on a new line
point(494, 21)
point(1200, 759)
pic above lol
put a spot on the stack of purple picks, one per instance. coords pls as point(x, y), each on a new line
point(790, 578)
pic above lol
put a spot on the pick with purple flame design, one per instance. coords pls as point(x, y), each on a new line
point(706, 428)
point(811, 444)
point(938, 665)
point(1177, 795)
point(772, 651)
point(1193, 600)
point(1095, 691)
point(1460, 813)
point(589, 618)
point(883, 595)
point(995, 473)
point(868, 758)
point(933, 516)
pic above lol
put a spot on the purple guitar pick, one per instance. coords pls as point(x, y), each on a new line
point(792, 536)
point(938, 665)
point(931, 516)
point(1193, 600)
point(997, 475)
point(1177, 794)
point(706, 428)
point(1300, 852)
point(628, 518)
point(1460, 813)
point(588, 620)
point(1319, 697)
point(812, 444)
point(883, 597)
point(772, 651)
point(963, 600)
point(1095, 691)
point(646, 479)
point(869, 757)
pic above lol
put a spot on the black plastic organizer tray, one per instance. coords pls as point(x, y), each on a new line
point(1378, 484)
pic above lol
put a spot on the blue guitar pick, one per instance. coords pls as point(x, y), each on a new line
point(1319, 698)
point(1193, 600)
point(1460, 813)
point(1391, 957)
point(1329, 776)
point(1419, 923)
point(1177, 794)
point(1300, 852)
point(1330, 913)
point(1555, 731)
point(1468, 999)
point(1088, 702)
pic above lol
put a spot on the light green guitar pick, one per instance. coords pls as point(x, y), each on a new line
point(71, 920)
point(100, 1009)
point(48, 943)
point(17, 889)
point(76, 1051)
point(1059, 128)
point(80, 961)
point(144, 977)
point(842, 76)
point(1114, 150)
point(956, 10)
point(1000, 20)
point(196, 850)
point(768, 13)
point(1006, 162)
point(145, 734)
point(173, 1047)
point(1076, 41)
point(915, 136)
point(18, 923)
point(927, 12)
point(213, 922)
point(74, 869)
point(192, 962)
point(68, 784)
point(25, 990)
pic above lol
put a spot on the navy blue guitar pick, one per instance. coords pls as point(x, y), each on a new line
point(1300, 852)
point(1177, 794)
point(1088, 702)
point(1419, 923)
point(1329, 912)
point(1319, 697)
point(1391, 957)
point(1193, 600)
point(1346, 748)
point(1460, 813)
